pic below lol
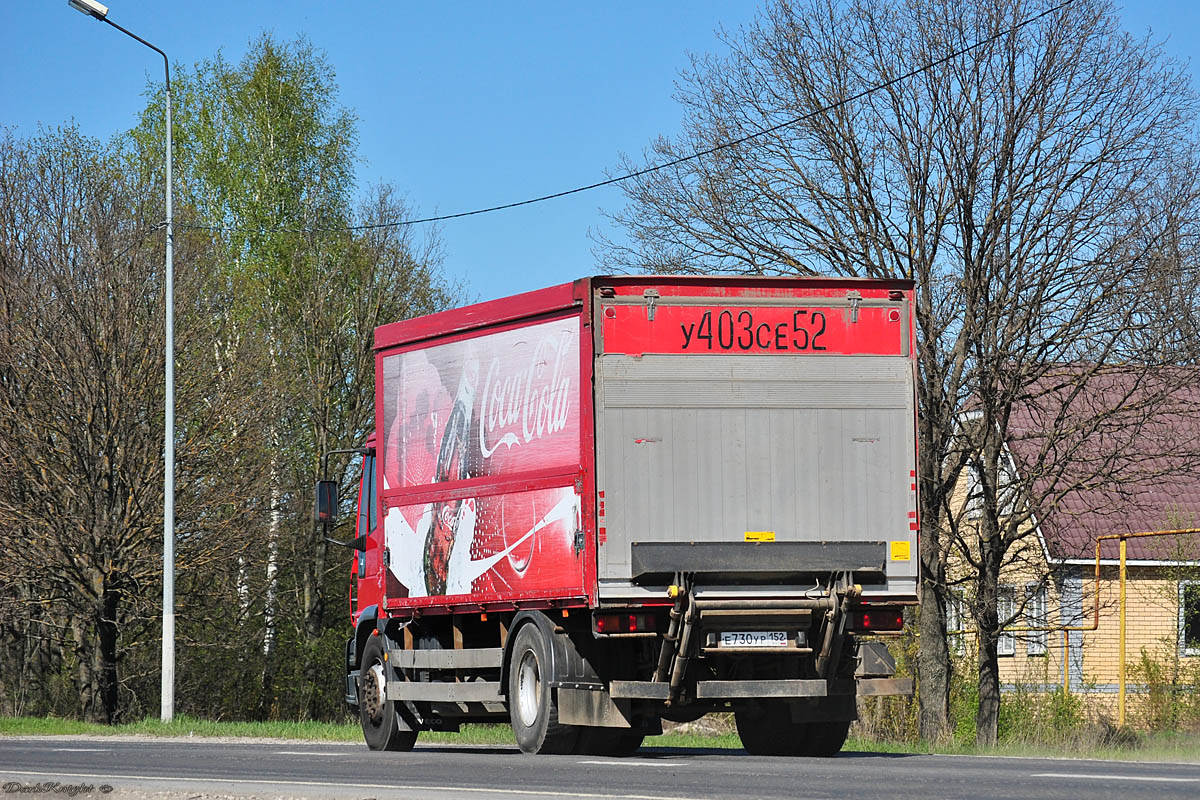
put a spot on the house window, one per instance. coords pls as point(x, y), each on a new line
point(1007, 489)
point(1035, 617)
point(955, 623)
point(1189, 618)
point(974, 505)
point(1006, 645)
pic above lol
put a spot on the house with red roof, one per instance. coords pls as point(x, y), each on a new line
point(1130, 470)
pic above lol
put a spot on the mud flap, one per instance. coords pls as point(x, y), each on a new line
point(594, 708)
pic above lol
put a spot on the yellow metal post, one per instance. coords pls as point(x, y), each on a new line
point(1121, 649)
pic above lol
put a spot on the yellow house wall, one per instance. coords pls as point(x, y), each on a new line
point(1152, 624)
point(1152, 615)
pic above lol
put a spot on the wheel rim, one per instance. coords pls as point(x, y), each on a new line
point(373, 691)
point(529, 689)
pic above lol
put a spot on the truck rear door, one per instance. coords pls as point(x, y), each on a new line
point(771, 411)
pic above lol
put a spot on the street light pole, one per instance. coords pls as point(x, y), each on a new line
point(100, 13)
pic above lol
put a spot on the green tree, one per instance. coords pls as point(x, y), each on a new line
point(266, 157)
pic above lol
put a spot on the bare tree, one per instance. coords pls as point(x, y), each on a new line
point(80, 397)
point(353, 284)
point(1006, 181)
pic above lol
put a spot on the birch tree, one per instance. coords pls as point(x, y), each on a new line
point(269, 158)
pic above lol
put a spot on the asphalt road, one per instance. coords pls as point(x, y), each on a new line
point(189, 768)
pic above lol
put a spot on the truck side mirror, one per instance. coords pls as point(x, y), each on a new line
point(326, 504)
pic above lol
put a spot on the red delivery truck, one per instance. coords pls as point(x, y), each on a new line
point(623, 500)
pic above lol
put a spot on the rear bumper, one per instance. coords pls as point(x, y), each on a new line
point(746, 562)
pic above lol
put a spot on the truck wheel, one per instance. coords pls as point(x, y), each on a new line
point(617, 742)
point(531, 706)
point(375, 711)
point(825, 739)
point(770, 731)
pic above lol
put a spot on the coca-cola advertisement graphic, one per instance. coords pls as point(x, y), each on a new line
point(495, 406)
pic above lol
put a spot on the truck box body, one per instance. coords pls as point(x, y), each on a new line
point(625, 500)
point(579, 446)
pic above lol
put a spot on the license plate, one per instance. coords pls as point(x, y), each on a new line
point(753, 639)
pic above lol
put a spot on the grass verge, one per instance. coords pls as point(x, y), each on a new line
point(498, 735)
point(182, 726)
point(1178, 747)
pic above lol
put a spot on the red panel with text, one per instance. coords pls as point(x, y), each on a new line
point(774, 329)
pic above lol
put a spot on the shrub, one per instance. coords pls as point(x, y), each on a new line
point(1164, 690)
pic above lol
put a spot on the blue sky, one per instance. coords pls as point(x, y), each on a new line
point(459, 105)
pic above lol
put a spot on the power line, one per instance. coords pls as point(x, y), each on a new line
point(667, 164)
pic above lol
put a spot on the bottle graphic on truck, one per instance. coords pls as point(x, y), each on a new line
point(452, 463)
point(625, 500)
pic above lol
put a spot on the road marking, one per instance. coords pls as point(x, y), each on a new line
point(1069, 759)
point(1087, 776)
point(306, 753)
point(626, 762)
point(334, 784)
point(80, 749)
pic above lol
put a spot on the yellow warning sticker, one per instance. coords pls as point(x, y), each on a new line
point(760, 536)
point(901, 551)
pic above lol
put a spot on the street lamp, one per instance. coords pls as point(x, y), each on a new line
point(100, 13)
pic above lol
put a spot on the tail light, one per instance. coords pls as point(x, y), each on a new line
point(878, 618)
point(624, 622)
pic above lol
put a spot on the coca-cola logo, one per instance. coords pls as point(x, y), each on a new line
point(531, 403)
point(447, 516)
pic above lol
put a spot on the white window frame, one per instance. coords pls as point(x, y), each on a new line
point(1007, 494)
point(1184, 650)
point(974, 501)
point(1010, 489)
point(1035, 617)
point(955, 618)
point(1006, 599)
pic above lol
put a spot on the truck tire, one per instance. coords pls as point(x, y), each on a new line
point(531, 706)
point(825, 739)
point(616, 742)
point(376, 713)
point(770, 731)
